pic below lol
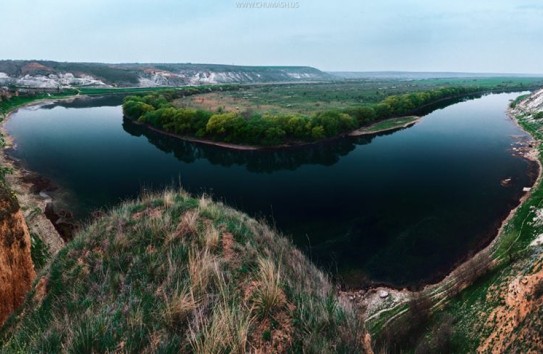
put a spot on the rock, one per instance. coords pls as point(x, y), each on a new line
point(45, 196)
point(383, 294)
point(38, 183)
point(62, 221)
point(505, 182)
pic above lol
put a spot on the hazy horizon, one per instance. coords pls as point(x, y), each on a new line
point(399, 36)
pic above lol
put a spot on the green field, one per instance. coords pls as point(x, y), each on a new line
point(282, 115)
point(340, 95)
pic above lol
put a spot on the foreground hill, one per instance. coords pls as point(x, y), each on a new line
point(170, 273)
point(50, 74)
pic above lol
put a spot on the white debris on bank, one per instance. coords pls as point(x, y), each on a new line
point(538, 218)
point(538, 241)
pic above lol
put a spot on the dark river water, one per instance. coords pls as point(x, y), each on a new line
point(401, 208)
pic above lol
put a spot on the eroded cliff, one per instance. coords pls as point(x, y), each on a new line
point(16, 267)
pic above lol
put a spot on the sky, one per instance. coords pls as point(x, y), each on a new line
point(494, 36)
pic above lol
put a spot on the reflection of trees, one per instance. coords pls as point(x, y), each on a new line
point(443, 103)
point(88, 102)
point(327, 153)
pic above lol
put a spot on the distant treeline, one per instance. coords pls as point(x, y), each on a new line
point(264, 129)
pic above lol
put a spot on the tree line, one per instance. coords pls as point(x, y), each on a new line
point(266, 129)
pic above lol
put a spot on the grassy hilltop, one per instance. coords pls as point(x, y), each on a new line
point(170, 273)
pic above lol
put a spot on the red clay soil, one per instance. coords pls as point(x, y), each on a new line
point(516, 324)
point(16, 267)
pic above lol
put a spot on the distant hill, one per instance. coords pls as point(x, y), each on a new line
point(51, 74)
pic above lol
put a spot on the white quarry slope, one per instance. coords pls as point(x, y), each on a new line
point(62, 80)
point(48, 74)
point(534, 102)
point(193, 77)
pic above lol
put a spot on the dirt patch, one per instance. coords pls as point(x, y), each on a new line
point(41, 290)
point(228, 246)
point(273, 335)
point(150, 213)
point(509, 322)
point(35, 68)
point(213, 102)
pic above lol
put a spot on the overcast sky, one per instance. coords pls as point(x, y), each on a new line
point(351, 35)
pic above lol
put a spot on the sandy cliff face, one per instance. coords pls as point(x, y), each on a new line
point(16, 268)
point(533, 103)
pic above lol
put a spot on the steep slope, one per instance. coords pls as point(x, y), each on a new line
point(50, 74)
point(501, 310)
point(515, 324)
point(16, 268)
point(170, 273)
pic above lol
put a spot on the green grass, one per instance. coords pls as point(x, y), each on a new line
point(171, 273)
point(340, 95)
point(39, 251)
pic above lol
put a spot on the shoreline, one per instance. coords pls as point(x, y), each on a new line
point(529, 155)
point(365, 130)
point(10, 143)
point(240, 147)
point(373, 304)
point(33, 205)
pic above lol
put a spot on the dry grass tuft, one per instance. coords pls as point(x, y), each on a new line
point(204, 202)
point(226, 331)
point(202, 267)
point(211, 236)
point(180, 307)
point(188, 225)
point(168, 198)
point(268, 296)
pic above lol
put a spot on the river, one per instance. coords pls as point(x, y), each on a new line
point(400, 208)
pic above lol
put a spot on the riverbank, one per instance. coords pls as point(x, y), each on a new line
point(30, 188)
point(387, 125)
point(383, 314)
point(33, 205)
point(379, 127)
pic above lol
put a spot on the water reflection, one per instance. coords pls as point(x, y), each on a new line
point(263, 161)
point(396, 207)
point(87, 102)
